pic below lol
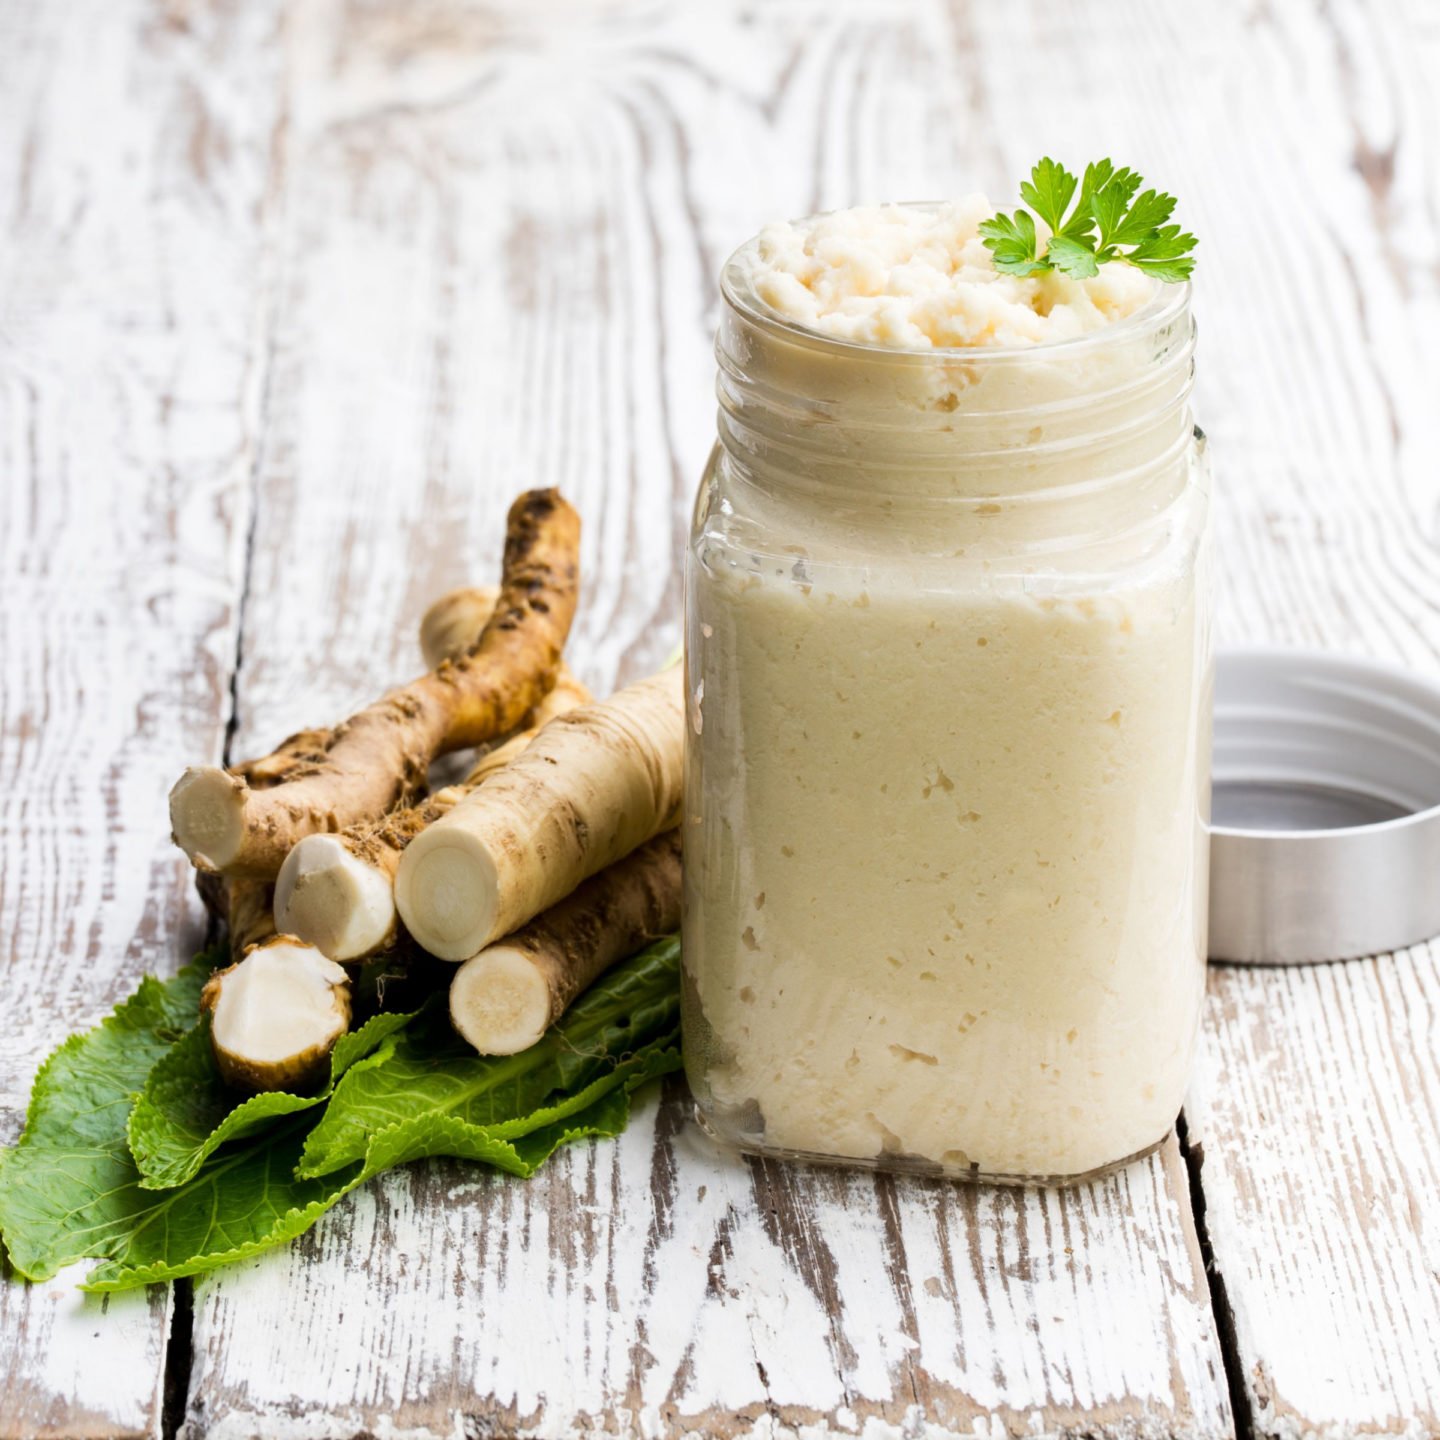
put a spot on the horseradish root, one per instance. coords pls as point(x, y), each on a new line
point(569, 694)
point(244, 905)
point(275, 1016)
point(505, 998)
point(448, 628)
point(592, 786)
point(454, 622)
point(272, 1027)
point(205, 797)
point(337, 891)
point(329, 780)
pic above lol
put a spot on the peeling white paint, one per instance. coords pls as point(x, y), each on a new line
point(1318, 1106)
point(531, 253)
point(431, 157)
point(134, 154)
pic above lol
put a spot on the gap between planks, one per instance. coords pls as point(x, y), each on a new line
point(655, 450)
point(1242, 1412)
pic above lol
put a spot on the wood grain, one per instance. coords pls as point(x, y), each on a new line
point(357, 278)
point(1317, 1103)
point(134, 157)
point(496, 270)
point(1302, 140)
point(1316, 1110)
point(650, 1286)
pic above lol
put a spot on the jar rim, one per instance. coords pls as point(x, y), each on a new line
point(1169, 301)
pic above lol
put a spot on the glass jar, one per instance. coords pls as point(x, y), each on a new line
point(949, 675)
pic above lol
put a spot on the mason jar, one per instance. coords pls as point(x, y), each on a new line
point(949, 682)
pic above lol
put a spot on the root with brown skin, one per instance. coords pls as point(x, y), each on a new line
point(323, 781)
point(275, 1016)
point(505, 998)
point(278, 1009)
point(593, 786)
point(455, 621)
point(246, 907)
point(337, 891)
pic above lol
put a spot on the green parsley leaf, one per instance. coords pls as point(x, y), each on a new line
point(1109, 221)
point(1082, 222)
point(1147, 213)
point(1048, 192)
point(1109, 204)
point(1012, 241)
point(1165, 254)
point(1073, 257)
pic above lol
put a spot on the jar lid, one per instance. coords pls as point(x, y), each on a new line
point(1325, 825)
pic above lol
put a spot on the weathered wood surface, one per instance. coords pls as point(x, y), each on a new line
point(361, 273)
point(1316, 1110)
point(533, 216)
point(133, 153)
point(652, 1287)
point(1316, 1107)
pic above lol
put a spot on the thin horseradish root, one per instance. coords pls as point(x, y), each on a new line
point(243, 904)
point(593, 786)
point(505, 998)
point(246, 820)
point(338, 891)
point(448, 628)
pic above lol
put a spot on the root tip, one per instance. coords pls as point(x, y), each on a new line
point(500, 1002)
point(333, 900)
point(446, 892)
point(207, 815)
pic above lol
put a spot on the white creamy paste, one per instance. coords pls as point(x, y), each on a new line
point(917, 279)
point(944, 845)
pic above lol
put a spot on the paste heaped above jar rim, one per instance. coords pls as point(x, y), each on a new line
point(916, 279)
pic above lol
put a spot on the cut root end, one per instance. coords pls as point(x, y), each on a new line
point(500, 1001)
point(446, 892)
point(330, 897)
point(276, 1015)
point(207, 815)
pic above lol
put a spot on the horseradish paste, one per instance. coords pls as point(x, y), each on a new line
point(948, 670)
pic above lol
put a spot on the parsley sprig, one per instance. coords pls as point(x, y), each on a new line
point(1109, 221)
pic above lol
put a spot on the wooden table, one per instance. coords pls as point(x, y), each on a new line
point(293, 297)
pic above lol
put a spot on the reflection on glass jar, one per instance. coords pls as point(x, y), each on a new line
point(948, 656)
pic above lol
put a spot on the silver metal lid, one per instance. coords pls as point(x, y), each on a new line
point(1325, 827)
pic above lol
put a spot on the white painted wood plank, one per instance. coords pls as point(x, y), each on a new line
point(1303, 142)
point(133, 158)
point(650, 1286)
point(1316, 1110)
point(498, 262)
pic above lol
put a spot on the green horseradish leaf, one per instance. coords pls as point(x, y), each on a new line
point(71, 1189)
point(185, 1112)
point(434, 1074)
point(250, 1200)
